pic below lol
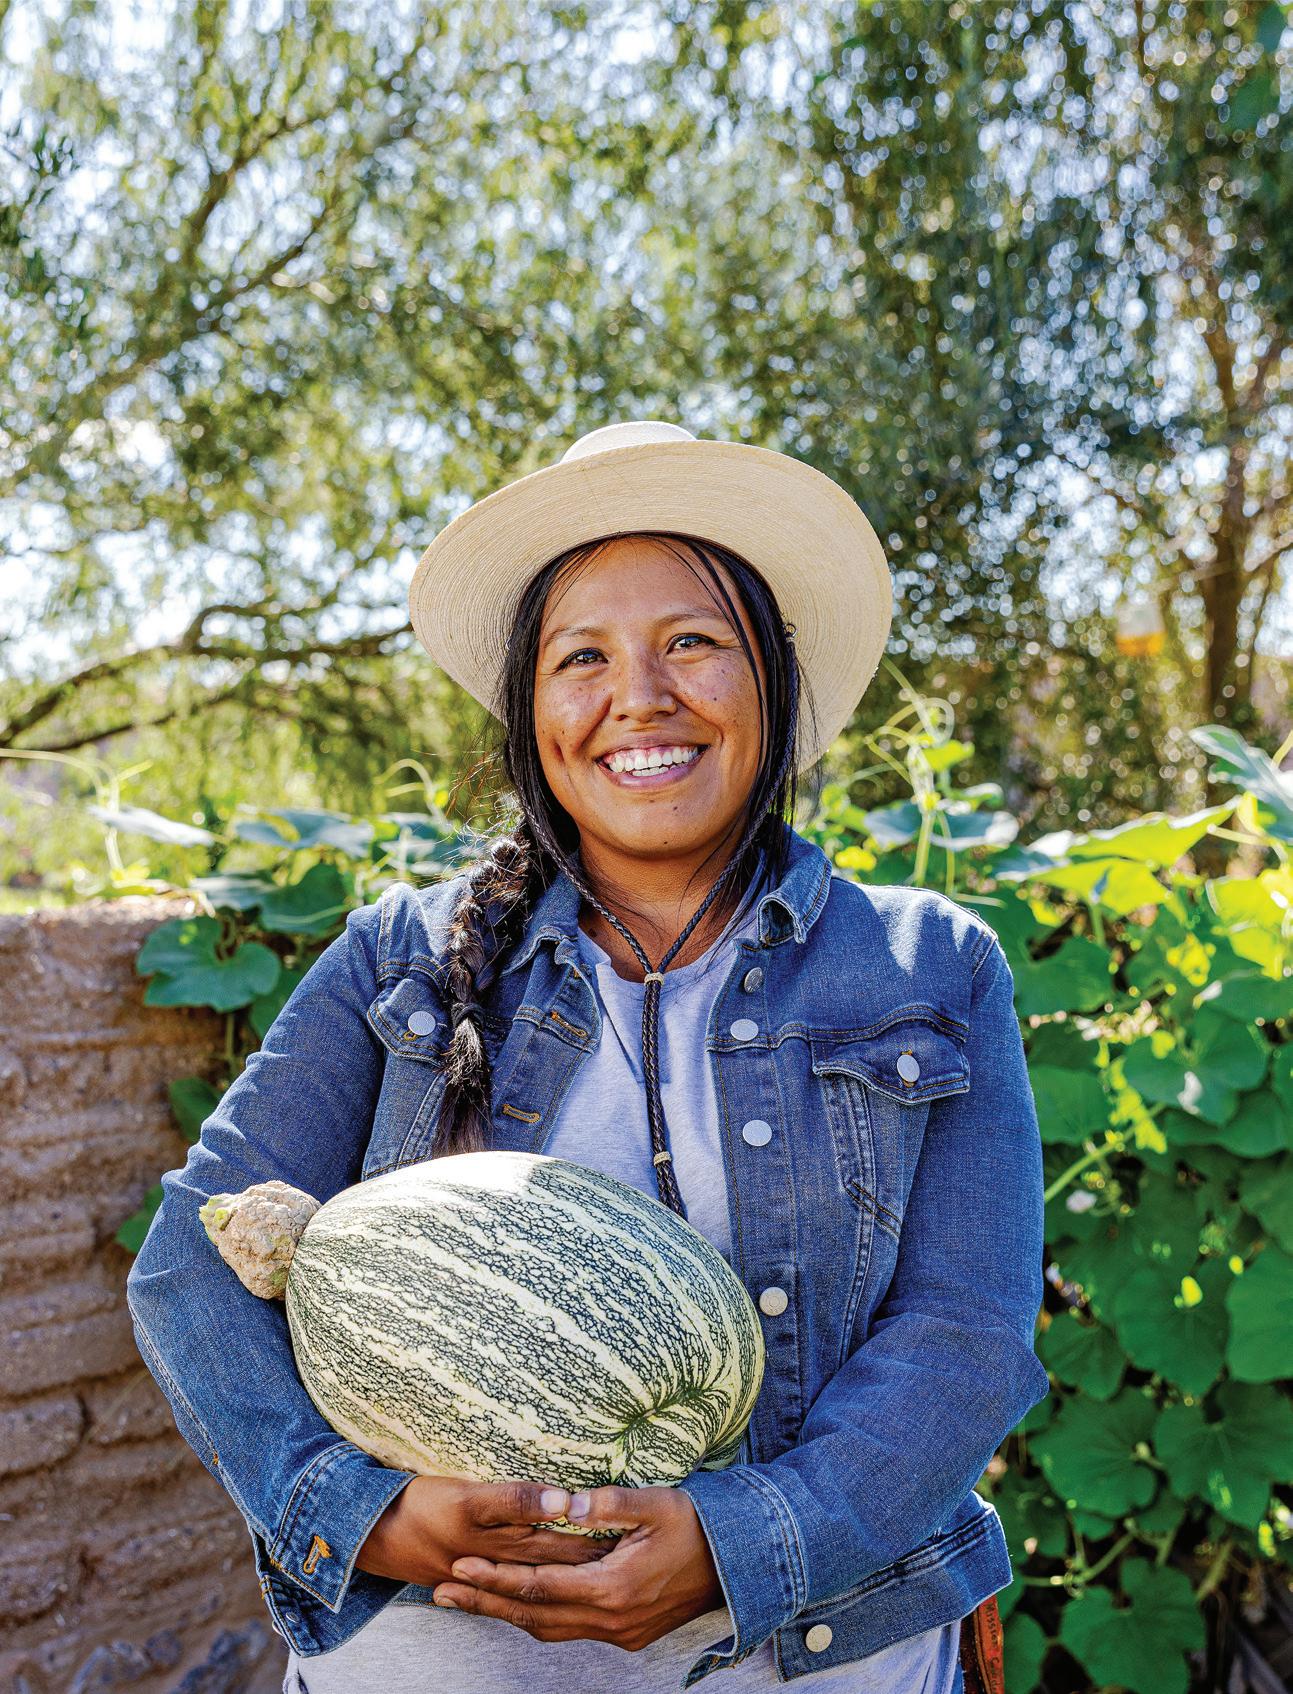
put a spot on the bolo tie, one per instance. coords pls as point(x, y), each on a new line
point(661, 1157)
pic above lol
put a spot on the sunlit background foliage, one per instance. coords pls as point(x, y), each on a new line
point(284, 287)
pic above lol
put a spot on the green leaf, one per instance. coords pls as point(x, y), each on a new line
point(1030, 1512)
point(1247, 996)
point(1249, 768)
point(235, 891)
point(893, 826)
point(955, 830)
point(1071, 1105)
point(1075, 978)
point(1260, 1303)
point(1164, 1329)
point(1088, 1453)
point(1230, 1053)
point(1084, 1355)
point(1119, 885)
point(224, 984)
point(1025, 1648)
point(300, 827)
point(1232, 1461)
point(1260, 1126)
point(1266, 1191)
point(138, 820)
point(176, 944)
point(422, 826)
point(1141, 1646)
point(1152, 839)
point(132, 1232)
point(1163, 1516)
point(193, 1100)
point(314, 904)
point(1173, 1078)
point(1093, 1526)
point(946, 754)
point(266, 1007)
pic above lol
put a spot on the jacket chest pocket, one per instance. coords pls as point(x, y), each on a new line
point(877, 1090)
point(410, 1021)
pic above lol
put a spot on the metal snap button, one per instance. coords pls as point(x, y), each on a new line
point(908, 1067)
point(744, 1029)
point(752, 979)
point(756, 1132)
point(773, 1301)
point(818, 1637)
point(421, 1023)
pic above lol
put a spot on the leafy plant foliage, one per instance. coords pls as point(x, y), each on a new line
point(1155, 1005)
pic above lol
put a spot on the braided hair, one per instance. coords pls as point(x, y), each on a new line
point(539, 839)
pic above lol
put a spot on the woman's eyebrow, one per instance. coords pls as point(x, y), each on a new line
point(664, 618)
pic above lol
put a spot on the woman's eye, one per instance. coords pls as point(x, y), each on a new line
point(580, 651)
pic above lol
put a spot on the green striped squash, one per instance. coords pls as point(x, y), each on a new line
point(504, 1315)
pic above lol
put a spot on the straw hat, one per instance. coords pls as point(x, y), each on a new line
point(804, 535)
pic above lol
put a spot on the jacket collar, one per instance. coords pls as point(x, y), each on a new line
point(790, 909)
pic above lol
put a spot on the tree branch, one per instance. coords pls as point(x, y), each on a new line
point(189, 645)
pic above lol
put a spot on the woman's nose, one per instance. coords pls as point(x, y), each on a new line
point(640, 686)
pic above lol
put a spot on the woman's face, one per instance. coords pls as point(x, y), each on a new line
point(635, 657)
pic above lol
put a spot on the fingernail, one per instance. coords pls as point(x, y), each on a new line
point(448, 1605)
point(579, 1505)
point(553, 1500)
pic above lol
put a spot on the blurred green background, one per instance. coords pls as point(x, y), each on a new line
point(284, 287)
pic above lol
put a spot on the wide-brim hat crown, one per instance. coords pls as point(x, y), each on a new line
point(807, 538)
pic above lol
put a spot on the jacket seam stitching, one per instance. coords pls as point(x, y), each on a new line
point(147, 1345)
point(784, 1516)
point(960, 1540)
point(305, 1486)
point(990, 938)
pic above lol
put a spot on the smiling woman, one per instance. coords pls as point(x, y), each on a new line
point(652, 974)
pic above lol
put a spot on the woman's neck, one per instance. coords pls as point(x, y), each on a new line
point(654, 911)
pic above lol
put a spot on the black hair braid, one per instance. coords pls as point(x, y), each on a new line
point(486, 923)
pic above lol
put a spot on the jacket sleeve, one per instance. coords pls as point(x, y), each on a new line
point(899, 1436)
point(302, 1112)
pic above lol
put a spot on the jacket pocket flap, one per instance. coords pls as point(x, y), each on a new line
point(408, 1018)
point(910, 1060)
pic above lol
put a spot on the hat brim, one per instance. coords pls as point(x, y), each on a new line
point(805, 536)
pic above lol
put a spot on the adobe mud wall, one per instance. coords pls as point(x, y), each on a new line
point(123, 1564)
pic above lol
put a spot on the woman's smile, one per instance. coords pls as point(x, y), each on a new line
point(649, 767)
point(647, 713)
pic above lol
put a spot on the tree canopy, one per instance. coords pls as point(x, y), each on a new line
point(283, 290)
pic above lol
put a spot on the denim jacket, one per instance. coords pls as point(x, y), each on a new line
point(897, 1207)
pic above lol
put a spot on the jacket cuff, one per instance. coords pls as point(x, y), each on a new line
point(327, 1518)
point(757, 1552)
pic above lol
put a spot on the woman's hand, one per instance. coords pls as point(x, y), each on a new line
point(434, 1520)
point(659, 1575)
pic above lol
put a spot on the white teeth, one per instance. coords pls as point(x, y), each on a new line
point(655, 760)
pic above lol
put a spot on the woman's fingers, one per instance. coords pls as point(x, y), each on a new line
point(502, 1519)
point(492, 1504)
point(554, 1603)
point(549, 1586)
point(543, 1547)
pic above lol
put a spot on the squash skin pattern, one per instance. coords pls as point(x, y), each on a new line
point(500, 1315)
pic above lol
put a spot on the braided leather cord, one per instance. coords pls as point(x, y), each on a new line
point(662, 1158)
